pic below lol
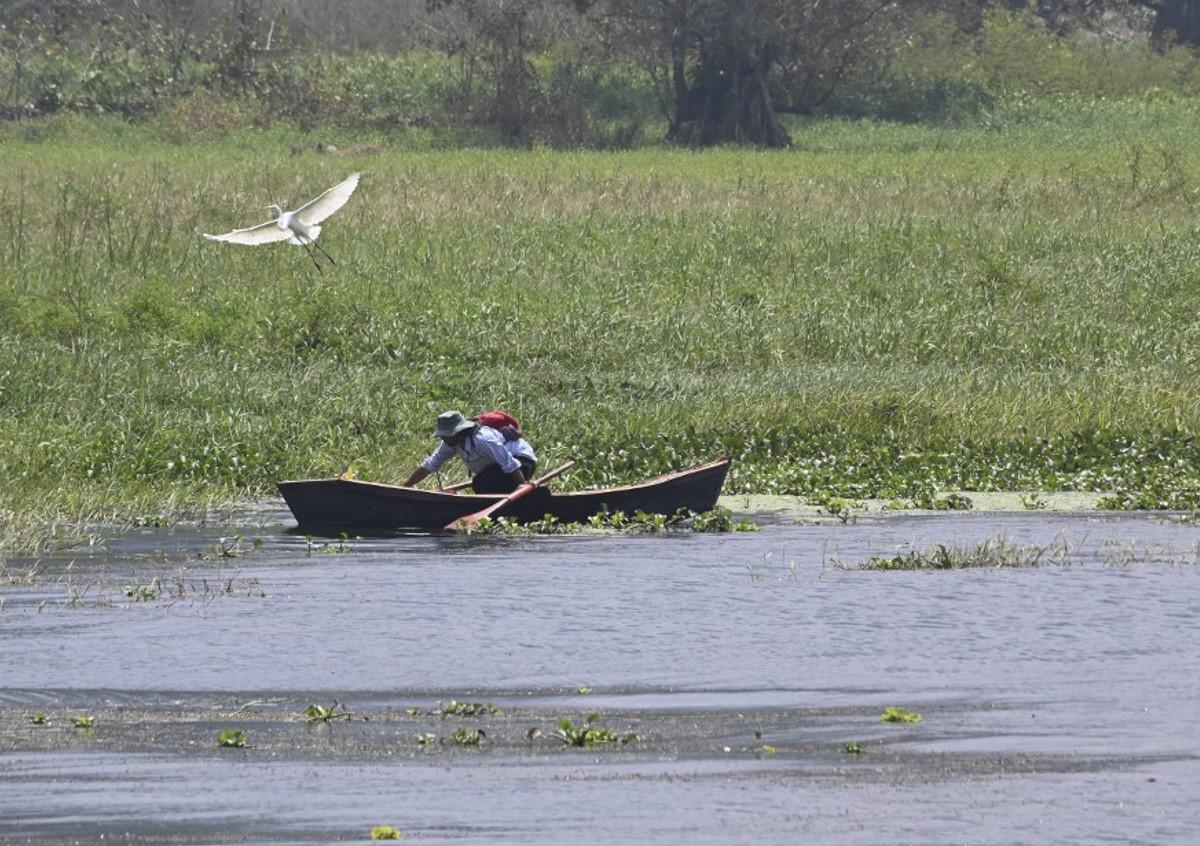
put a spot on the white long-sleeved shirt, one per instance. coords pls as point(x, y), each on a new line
point(479, 450)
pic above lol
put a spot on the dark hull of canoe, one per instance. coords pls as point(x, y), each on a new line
point(329, 505)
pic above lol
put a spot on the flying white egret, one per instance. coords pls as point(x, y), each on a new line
point(301, 226)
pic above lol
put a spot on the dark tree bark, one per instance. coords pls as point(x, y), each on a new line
point(728, 100)
point(1174, 20)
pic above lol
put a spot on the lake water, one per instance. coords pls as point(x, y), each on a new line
point(1061, 702)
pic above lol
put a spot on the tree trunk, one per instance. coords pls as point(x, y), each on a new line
point(728, 102)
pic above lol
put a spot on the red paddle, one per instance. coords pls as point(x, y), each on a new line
point(471, 519)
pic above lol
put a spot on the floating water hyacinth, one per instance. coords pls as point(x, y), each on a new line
point(232, 738)
point(899, 715)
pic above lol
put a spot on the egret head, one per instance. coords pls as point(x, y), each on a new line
point(277, 209)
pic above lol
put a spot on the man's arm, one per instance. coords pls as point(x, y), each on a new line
point(415, 479)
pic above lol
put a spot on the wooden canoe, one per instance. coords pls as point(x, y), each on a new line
point(333, 505)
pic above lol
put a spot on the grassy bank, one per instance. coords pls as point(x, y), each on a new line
point(882, 311)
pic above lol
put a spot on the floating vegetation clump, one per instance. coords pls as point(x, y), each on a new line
point(341, 547)
point(231, 738)
point(465, 736)
point(896, 714)
point(453, 708)
point(589, 733)
point(719, 519)
point(949, 502)
point(385, 832)
point(142, 593)
point(231, 547)
point(325, 714)
point(991, 553)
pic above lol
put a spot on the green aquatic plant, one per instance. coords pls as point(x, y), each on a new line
point(426, 739)
point(894, 714)
point(640, 522)
point(230, 547)
point(385, 832)
point(853, 748)
point(995, 552)
point(1032, 501)
point(587, 733)
point(836, 506)
point(464, 736)
point(720, 519)
point(548, 525)
point(951, 502)
point(38, 718)
point(341, 547)
point(325, 714)
point(84, 721)
point(231, 738)
point(453, 708)
point(143, 593)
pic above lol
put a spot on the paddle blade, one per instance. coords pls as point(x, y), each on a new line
point(473, 519)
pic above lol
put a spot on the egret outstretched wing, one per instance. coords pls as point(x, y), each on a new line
point(264, 233)
point(314, 211)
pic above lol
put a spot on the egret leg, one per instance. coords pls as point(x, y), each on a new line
point(316, 264)
point(327, 255)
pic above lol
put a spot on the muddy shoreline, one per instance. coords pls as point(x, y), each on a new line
point(809, 741)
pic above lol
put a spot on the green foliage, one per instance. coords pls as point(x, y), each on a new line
point(340, 547)
point(84, 721)
point(720, 519)
point(325, 714)
point(1016, 317)
point(454, 708)
point(38, 718)
point(853, 748)
point(385, 832)
point(465, 736)
point(950, 502)
point(587, 733)
point(893, 714)
point(942, 73)
point(1032, 501)
point(995, 552)
point(717, 520)
point(231, 738)
point(143, 593)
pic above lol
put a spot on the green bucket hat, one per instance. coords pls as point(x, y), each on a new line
point(450, 423)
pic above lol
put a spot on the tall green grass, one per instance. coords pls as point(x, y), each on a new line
point(882, 311)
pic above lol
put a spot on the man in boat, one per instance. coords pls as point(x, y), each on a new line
point(498, 461)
